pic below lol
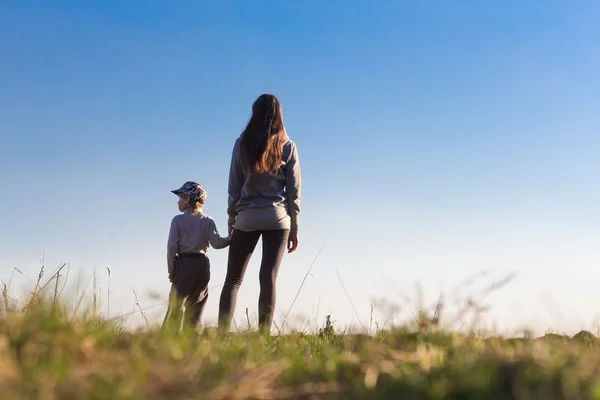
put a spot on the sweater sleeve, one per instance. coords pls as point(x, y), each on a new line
point(172, 245)
point(236, 181)
point(215, 239)
point(293, 186)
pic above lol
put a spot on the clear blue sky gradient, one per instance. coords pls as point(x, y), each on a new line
point(436, 139)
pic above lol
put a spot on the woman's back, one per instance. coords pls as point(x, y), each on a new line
point(265, 200)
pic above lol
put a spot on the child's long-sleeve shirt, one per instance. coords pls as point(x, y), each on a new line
point(192, 234)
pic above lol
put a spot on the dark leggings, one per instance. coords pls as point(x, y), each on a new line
point(241, 247)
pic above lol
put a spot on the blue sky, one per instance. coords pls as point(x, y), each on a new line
point(436, 140)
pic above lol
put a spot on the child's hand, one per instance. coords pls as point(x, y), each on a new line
point(171, 278)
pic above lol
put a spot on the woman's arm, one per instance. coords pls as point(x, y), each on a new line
point(236, 181)
point(292, 187)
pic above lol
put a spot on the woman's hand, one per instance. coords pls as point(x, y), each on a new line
point(292, 242)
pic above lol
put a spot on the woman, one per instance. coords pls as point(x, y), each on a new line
point(264, 200)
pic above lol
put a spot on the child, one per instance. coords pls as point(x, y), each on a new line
point(189, 267)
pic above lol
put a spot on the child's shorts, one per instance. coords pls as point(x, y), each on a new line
point(191, 276)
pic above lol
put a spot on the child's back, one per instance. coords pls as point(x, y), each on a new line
point(193, 233)
point(190, 235)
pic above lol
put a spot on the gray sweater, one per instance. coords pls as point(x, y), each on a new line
point(265, 201)
point(192, 234)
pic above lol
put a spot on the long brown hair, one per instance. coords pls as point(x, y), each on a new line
point(264, 136)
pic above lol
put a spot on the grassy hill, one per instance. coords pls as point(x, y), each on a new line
point(50, 349)
point(46, 353)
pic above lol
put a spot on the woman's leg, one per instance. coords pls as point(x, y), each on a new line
point(274, 246)
point(241, 248)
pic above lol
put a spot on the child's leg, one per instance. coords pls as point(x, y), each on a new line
point(174, 312)
point(196, 301)
point(191, 281)
point(194, 308)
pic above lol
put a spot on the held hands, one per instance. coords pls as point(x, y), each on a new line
point(292, 242)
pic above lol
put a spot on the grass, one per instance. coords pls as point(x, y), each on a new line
point(47, 351)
